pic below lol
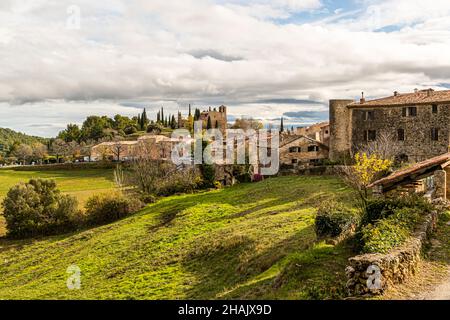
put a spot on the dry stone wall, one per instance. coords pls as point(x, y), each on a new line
point(373, 274)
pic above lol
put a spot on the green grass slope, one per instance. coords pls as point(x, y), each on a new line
point(251, 241)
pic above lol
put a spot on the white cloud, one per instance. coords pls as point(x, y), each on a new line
point(209, 53)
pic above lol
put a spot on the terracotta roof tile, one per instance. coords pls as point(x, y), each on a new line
point(421, 97)
point(400, 174)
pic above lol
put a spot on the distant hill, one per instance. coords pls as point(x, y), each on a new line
point(8, 137)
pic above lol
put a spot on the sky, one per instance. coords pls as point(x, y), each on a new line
point(61, 61)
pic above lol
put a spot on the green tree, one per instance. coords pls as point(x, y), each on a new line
point(71, 133)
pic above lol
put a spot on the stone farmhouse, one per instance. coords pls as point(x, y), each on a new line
point(306, 147)
point(418, 123)
point(159, 147)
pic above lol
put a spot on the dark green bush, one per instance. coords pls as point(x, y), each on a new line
point(106, 208)
point(333, 219)
point(378, 209)
point(38, 208)
point(148, 198)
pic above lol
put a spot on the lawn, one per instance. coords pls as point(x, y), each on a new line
point(79, 183)
point(251, 241)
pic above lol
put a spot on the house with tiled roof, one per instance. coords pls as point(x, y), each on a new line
point(416, 123)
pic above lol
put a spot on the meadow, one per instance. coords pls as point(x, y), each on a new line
point(250, 241)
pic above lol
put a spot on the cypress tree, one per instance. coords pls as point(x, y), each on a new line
point(172, 125)
point(190, 110)
point(144, 118)
point(139, 121)
point(209, 125)
point(282, 125)
point(162, 114)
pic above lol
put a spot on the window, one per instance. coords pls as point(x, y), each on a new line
point(294, 161)
point(435, 134)
point(313, 148)
point(401, 134)
point(370, 135)
point(295, 149)
point(410, 112)
point(434, 108)
point(368, 115)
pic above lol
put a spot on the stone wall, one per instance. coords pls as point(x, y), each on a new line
point(418, 145)
point(373, 274)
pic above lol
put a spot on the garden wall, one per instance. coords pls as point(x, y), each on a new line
point(373, 274)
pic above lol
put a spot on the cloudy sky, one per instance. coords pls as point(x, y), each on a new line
point(62, 60)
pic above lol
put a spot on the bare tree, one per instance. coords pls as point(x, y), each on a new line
point(39, 151)
point(60, 149)
point(385, 146)
point(23, 152)
point(151, 176)
point(117, 149)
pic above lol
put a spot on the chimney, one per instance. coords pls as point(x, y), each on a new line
point(429, 92)
point(416, 90)
point(362, 100)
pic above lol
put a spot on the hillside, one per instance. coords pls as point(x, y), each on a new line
point(8, 137)
point(248, 241)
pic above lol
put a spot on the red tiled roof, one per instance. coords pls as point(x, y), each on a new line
point(420, 97)
point(418, 167)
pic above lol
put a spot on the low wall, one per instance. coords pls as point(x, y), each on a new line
point(372, 274)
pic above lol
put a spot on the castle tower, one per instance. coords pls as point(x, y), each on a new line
point(340, 129)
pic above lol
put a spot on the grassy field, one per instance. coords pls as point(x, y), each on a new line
point(251, 241)
point(79, 183)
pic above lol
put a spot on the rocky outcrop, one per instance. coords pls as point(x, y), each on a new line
point(372, 274)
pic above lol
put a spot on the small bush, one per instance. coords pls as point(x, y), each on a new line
point(107, 208)
point(378, 209)
point(390, 232)
point(333, 219)
point(38, 208)
point(148, 198)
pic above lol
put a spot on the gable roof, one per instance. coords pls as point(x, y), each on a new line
point(414, 171)
point(428, 96)
point(297, 137)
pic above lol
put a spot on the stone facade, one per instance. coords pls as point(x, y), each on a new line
point(301, 151)
point(218, 118)
point(418, 124)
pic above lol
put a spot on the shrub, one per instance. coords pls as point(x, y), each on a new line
point(378, 209)
point(106, 208)
point(148, 198)
point(390, 232)
point(333, 219)
point(209, 175)
point(38, 208)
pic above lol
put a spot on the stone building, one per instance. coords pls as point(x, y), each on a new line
point(418, 123)
point(218, 118)
point(302, 151)
point(157, 147)
point(319, 132)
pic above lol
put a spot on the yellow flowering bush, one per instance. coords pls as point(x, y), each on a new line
point(367, 168)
